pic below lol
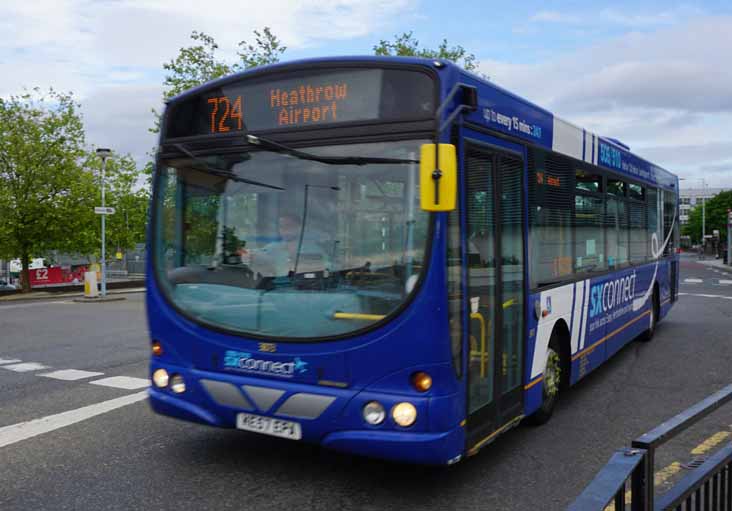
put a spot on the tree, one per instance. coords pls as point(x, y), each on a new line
point(127, 226)
point(267, 49)
point(407, 45)
point(46, 196)
point(199, 63)
point(715, 217)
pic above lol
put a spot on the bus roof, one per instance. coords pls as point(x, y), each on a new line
point(502, 111)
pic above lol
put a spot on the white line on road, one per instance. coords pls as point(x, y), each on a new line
point(70, 374)
point(722, 281)
point(24, 430)
point(9, 360)
point(693, 281)
point(25, 367)
point(122, 382)
point(706, 296)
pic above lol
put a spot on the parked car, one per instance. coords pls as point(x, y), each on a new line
point(6, 285)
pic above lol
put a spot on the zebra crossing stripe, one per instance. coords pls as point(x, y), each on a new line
point(122, 382)
point(70, 374)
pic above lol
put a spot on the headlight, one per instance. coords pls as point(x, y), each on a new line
point(160, 378)
point(177, 384)
point(404, 414)
point(374, 413)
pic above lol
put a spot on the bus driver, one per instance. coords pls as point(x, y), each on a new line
point(290, 253)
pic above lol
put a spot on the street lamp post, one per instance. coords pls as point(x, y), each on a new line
point(104, 154)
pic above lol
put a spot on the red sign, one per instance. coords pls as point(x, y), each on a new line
point(56, 276)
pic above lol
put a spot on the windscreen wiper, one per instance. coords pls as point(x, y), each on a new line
point(222, 172)
point(271, 145)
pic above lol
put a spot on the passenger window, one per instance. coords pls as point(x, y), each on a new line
point(587, 182)
point(616, 187)
point(636, 192)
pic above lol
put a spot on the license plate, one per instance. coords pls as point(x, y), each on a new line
point(269, 426)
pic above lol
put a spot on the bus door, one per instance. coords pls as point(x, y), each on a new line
point(495, 267)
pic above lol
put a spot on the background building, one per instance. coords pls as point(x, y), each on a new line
point(691, 197)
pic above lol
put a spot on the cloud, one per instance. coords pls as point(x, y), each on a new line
point(119, 117)
point(611, 16)
point(679, 68)
point(110, 54)
point(555, 17)
point(665, 93)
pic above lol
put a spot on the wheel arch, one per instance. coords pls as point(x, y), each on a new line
point(561, 330)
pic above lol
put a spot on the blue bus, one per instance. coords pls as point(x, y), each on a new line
point(392, 257)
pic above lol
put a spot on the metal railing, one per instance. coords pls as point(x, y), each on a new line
point(707, 487)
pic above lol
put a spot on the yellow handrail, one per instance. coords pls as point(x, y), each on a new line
point(358, 316)
point(483, 354)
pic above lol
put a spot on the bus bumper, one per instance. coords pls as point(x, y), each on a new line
point(419, 447)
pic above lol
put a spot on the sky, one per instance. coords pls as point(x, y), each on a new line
point(655, 74)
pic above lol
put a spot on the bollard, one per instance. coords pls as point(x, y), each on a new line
point(90, 285)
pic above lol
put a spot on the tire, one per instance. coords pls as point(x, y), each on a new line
point(647, 336)
point(553, 382)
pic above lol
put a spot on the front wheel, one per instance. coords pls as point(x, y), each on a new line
point(551, 383)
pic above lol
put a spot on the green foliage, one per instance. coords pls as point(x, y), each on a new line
point(198, 64)
point(715, 216)
point(407, 45)
point(193, 66)
point(123, 192)
point(46, 196)
point(267, 49)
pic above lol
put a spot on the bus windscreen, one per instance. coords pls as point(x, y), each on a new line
point(304, 99)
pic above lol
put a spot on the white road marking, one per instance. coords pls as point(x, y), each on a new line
point(70, 374)
point(722, 281)
point(25, 367)
point(693, 281)
point(9, 360)
point(24, 430)
point(706, 296)
point(122, 382)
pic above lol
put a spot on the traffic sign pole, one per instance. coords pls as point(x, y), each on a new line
point(729, 237)
point(104, 154)
point(104, 232)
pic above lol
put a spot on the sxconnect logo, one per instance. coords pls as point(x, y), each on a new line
point(242, 361)
point(611, 294)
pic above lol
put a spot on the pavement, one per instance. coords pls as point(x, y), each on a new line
point(53, 295)
point(78, 433)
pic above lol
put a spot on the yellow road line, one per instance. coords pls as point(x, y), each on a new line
point(674, 468)
point(710, 443)
point(666, 473)
point(659, 478)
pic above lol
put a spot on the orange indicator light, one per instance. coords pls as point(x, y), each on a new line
point(422, 381)
point(157, 348)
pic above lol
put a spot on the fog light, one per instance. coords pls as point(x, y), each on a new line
point(157, 348)
point(160, 378)
point(422, 381)
point(373, 413)
point(404, 414)
point(177, 384)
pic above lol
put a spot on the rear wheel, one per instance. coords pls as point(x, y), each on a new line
point(552, 382)
point(648, 334)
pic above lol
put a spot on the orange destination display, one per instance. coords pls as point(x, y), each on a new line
point(305, 99)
